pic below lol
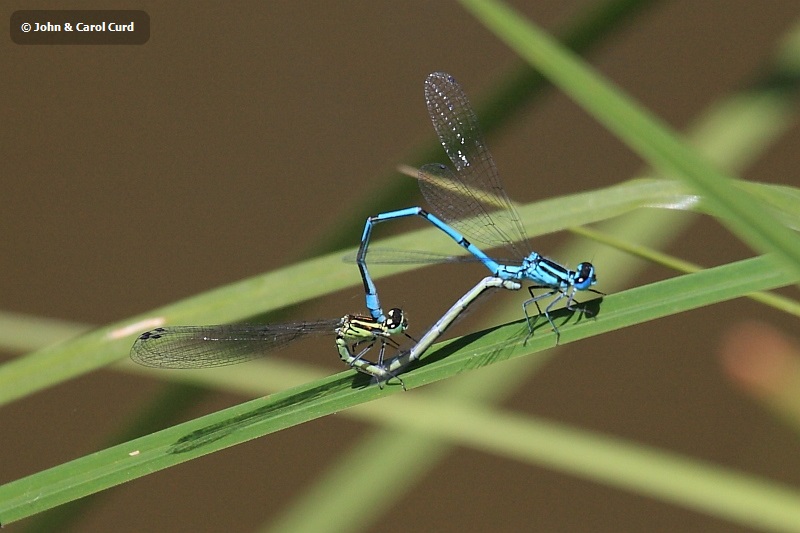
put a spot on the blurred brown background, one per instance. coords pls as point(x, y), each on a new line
point(134, 176)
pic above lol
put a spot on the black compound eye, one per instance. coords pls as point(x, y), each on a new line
point(395, 318)
point(585, 276)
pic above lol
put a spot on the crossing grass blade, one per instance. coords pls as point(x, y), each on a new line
point(323, 275)
point(263, 416)
point(744, 214)
point(275, 290)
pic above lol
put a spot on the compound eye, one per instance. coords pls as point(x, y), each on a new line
point(395, 318)
point(585, 277)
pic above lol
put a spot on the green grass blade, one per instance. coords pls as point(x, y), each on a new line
point(616, 311)
point(260, 417)
point(287, 286)
point(645, 134)
point(23, 333)
point(234, 302)
point(781, 303)
point(740, 498)
point(303, 281)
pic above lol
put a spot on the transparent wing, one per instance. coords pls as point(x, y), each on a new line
point(396, 256)
point(208, 346)
point(472, 199)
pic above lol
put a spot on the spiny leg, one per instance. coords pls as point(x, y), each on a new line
point(572, 305)
point(535, 300)
point(547, 310)
point(378, 371)
point(386, 379)
point(359, 356)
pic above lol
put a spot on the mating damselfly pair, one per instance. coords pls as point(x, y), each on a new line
point(469, 203)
